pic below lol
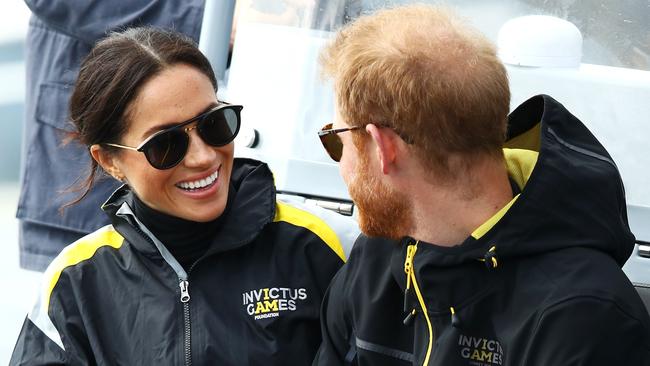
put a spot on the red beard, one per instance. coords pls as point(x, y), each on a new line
point(383, 211)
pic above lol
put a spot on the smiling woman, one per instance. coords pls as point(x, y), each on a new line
point(145, 104)
point(176, 159)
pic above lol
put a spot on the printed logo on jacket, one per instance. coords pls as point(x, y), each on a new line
point(480, 351)
point(271, 301)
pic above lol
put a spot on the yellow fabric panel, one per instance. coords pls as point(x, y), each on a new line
point(486, 226)
point(529, 140)
point(520, 164)
point(312, 223)
point(76, 252)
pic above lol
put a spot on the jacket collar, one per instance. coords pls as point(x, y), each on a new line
point(252, 207)
point(572, 197)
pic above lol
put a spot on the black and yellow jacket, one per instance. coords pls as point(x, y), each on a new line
point(540, 283)
point(118, 297)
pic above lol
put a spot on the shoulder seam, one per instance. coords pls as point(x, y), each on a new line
point(77, 252)
point(81, 250)
point(297, 217)
point(592, 297)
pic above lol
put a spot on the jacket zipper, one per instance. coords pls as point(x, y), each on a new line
point(185, 300)
point(411, 279)
point(184, 284)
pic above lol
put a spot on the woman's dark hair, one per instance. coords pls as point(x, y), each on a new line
point(110, 78)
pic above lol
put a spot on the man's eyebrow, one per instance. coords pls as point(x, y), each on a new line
point(164, 126)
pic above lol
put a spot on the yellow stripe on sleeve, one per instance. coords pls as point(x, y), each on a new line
point(312, 223)
point(77, 252)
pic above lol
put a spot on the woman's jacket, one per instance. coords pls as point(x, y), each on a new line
point(117, 296)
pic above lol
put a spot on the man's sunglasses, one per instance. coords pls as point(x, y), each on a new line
point(331, 140)
point(166, 148)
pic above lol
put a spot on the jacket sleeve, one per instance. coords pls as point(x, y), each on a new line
point(34, 347)
point(345, 228)
point(52, 333)
point(588, 331)
point(89, 20)
point(335, 349)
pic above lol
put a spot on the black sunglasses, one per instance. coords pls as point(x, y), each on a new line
point(331, 140)
point(166, 148)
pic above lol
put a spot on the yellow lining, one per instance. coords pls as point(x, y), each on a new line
point(76, 252)
point(487, 225)
point(520, 164)
point(529, 140)
point(312, 223)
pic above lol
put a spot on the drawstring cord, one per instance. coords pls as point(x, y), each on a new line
point(490, 258)
point(491, 262)
point(412, 281)
point(455, 320)
point(409, 318)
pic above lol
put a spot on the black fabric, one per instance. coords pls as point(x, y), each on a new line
point(254, 295)
point(557, 295)
point(186, 240)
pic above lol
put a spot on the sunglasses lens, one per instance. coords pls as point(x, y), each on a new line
point(333, 145)
point(166, 149)
point(220, 127)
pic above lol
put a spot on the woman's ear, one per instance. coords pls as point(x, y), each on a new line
point(106, 160)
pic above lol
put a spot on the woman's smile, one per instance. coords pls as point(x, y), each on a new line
point(201, 186)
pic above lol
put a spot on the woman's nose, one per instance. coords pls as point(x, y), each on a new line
point(198, 153)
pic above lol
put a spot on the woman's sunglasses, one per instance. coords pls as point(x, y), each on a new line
point(331, 140)
point(166, 148)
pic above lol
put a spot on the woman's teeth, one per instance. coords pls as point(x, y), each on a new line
point(201, 183)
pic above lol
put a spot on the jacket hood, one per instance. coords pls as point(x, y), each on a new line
point(571, 196)
point(251, 205)
point(574, 196)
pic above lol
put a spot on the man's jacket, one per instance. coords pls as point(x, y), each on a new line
point(61, 33)
point(118, 297)
point(540, 283)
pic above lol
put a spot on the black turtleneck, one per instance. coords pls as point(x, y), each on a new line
point(186, 240)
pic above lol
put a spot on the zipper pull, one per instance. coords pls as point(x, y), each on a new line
point(408, 263)
point(408, 269)
point(185, 292)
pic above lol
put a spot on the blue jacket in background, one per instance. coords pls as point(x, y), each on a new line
point(61, 33)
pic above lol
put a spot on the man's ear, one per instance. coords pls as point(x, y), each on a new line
point(386, 146)
point(107, 161)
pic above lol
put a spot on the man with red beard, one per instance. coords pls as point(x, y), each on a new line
point(490, 239)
